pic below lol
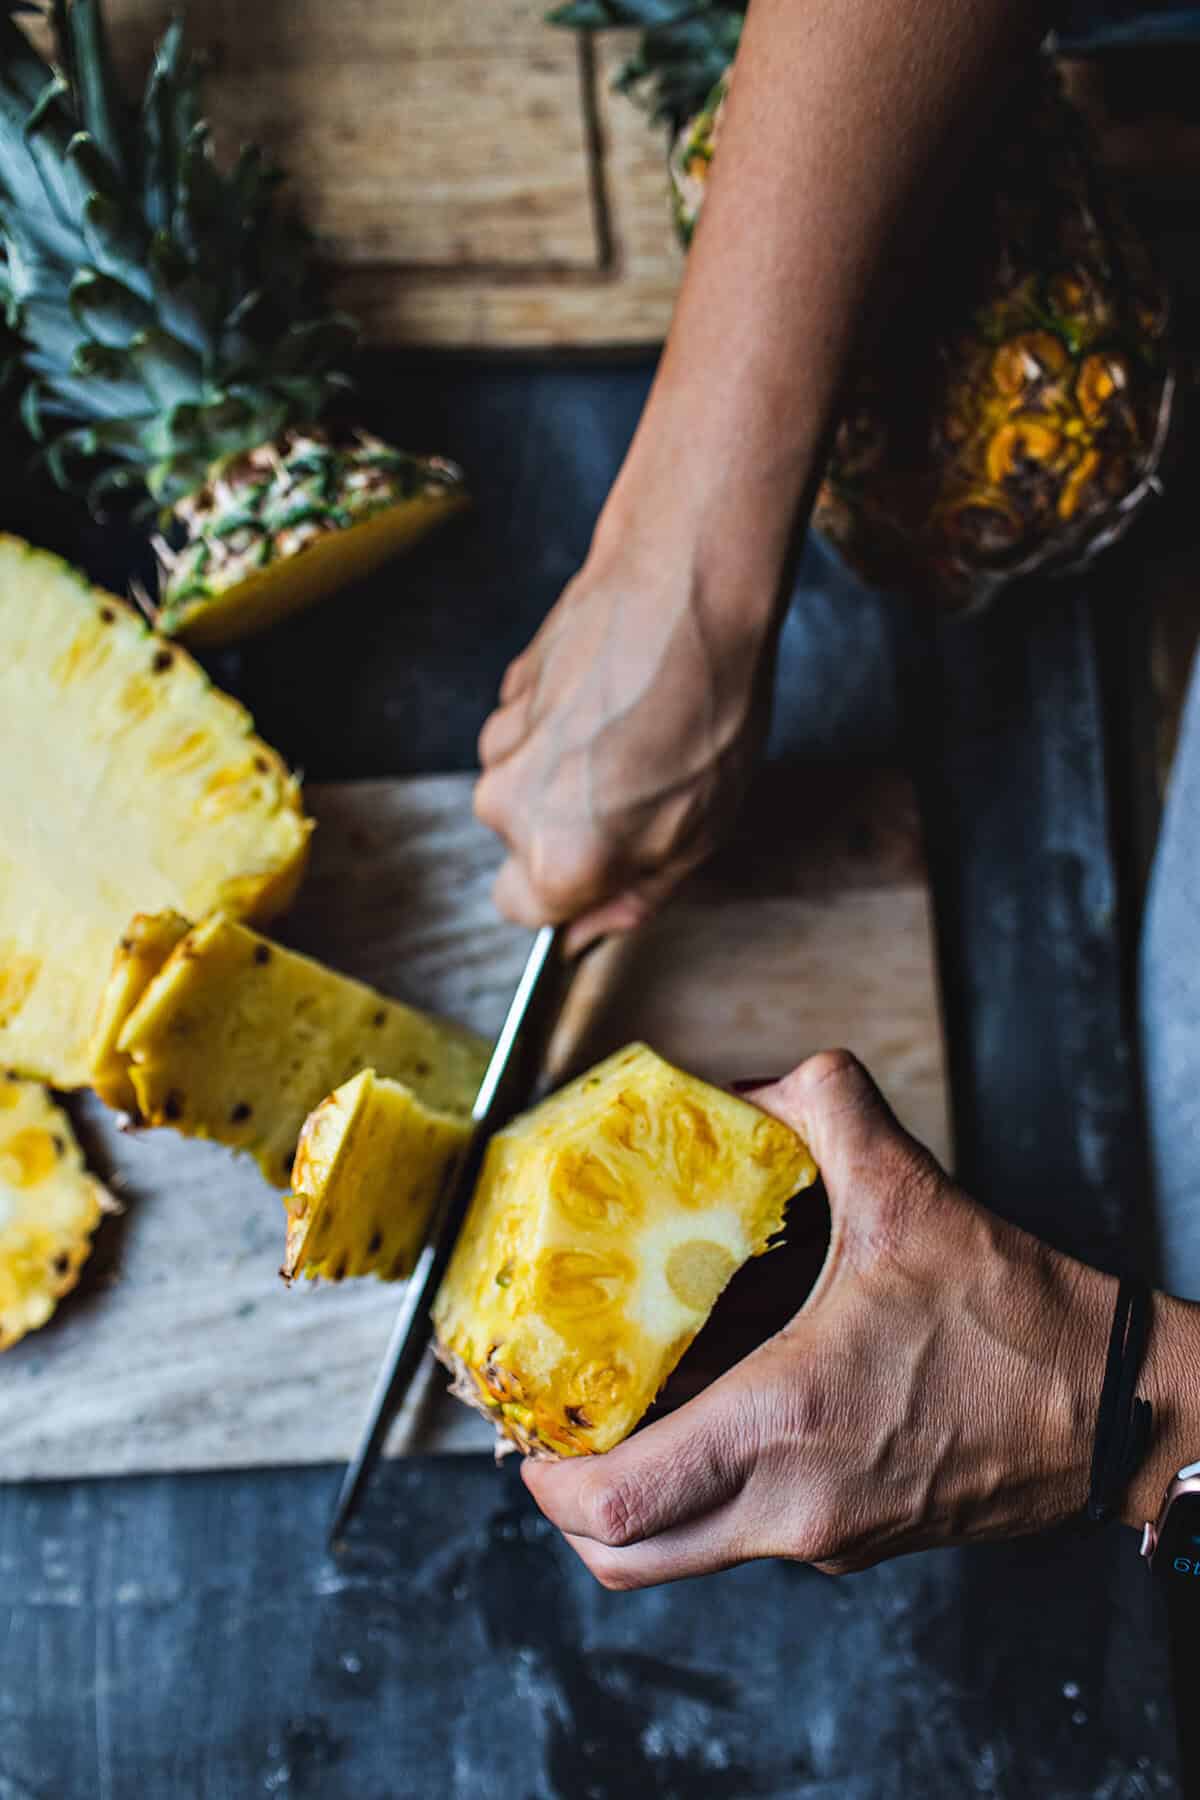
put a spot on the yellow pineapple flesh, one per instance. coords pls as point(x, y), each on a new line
point(49, 1207)
point(132, 785)
point(605, 1225)
point(371, 1164)
point(237, 1039)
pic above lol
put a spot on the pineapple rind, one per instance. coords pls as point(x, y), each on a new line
point(238, 1039)
point(605, 1225)
point(134, 786)
point(49, 1207)
point(370, 1167)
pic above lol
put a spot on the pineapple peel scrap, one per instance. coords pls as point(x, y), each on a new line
point(49, 1207)
point(605, 1225)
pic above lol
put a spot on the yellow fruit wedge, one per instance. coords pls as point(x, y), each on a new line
point(238, 1039)
point(370, 1167)
point(140, 955)
point(605, 1224)
point(132, 785)
point(49, 1207)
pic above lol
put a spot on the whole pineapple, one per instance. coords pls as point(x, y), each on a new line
point(173, 349)
point(1011, 418)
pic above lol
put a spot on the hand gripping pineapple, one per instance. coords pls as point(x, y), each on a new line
point(937, 1386)
point(174, 352)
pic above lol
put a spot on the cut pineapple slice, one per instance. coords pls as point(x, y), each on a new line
point(49, 1207)
point(605, 1224)
point(133, 785)
point(238, 1039)
point(370, 1167)
point(141, 953)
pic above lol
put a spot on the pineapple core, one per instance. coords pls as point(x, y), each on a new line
point(605, 1224)
point(238, 1039)
point(370, 1167)
point(49, 1207)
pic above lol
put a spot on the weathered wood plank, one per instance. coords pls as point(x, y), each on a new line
point(184, 1351)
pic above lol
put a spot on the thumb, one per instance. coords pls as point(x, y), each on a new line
point(833, 1104)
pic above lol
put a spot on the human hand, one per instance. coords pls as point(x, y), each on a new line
point(623, 740)
point(938, 1386)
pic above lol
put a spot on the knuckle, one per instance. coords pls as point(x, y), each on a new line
point(830, 1065)
point(615, 1511)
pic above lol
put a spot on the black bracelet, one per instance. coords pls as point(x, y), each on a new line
point(1124, 1422)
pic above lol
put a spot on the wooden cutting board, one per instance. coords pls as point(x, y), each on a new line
point(183, 1350)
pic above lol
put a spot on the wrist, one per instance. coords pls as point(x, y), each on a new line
point(1170, 1382)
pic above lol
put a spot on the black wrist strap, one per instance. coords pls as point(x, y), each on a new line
point(1124, 1422)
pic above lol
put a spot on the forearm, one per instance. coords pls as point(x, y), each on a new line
point(843, 115)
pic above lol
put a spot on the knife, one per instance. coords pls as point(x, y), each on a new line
point(509, 1084)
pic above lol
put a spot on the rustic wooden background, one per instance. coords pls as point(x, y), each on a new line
point(466, 167)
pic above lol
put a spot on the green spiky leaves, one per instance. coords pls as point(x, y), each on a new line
point(164, 304)
point(685, 47)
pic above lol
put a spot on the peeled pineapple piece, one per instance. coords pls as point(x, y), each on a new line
point(131, 784)
point(605, 1224)
point(140, 955)
point(49, 1207)
point(238, 1039)
point(370, 1167)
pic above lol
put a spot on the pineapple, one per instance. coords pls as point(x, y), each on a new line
point(237, 1039)
point(605, 1224)
point(1011, 419)
point(133, 785)
point(370, 1167)
point(49, 1207)
point(174, 352)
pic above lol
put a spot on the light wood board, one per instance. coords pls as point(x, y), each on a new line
point(183, 1350)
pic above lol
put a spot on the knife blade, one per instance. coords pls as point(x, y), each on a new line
point(509, 1083)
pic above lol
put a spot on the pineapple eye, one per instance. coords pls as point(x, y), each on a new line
point(579, 1283)
point(29, 1157)
point(590, 1194)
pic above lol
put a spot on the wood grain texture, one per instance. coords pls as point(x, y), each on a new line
point(471, 180)
point(184, 1351)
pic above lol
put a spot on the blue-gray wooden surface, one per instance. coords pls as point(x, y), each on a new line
point(164, 1639)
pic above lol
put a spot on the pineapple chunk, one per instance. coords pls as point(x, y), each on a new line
point(140, 955)
point(238, 1039)
point(49, 1207)
point(133, 785)
point(370, 1167)
point(605, 1224)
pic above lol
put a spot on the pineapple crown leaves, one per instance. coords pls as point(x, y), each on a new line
point(162, 302)
point(684, 49)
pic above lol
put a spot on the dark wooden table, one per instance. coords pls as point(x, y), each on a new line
point(185, 1636)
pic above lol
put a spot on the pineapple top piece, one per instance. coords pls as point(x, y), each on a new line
point(238, 1039)
point(49, 1207)
point(605, 1224)
point(132, 785)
